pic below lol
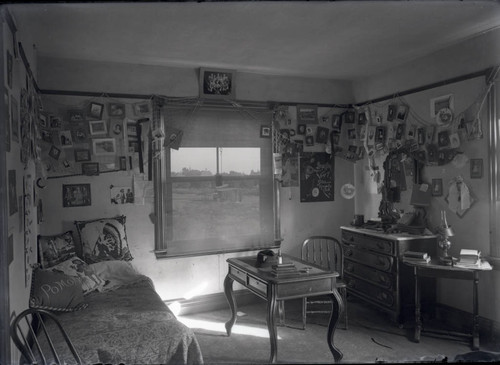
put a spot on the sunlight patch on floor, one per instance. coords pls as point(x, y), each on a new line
point(220, 327)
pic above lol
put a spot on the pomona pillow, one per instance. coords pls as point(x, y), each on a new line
point(53, 250)
point(55, 291)
point(77, 268)
point(104, 239)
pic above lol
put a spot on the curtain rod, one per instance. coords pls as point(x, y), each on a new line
point(485, 72)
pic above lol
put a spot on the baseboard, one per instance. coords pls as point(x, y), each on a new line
point(459, 320)
point(216, 301)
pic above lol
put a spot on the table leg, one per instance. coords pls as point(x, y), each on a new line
point(418, 320)
point(271, 323)
point(228, 290)
point(475, 305)
point(337, 309)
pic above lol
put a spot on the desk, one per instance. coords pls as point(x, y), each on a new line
point(435, 270)
point(263, 283)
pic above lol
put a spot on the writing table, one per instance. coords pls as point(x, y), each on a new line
point(435, 270)
point(308, 281)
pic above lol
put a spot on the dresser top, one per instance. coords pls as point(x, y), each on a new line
point(402, 236)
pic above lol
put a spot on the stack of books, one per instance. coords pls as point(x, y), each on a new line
point(284, 269)
point(416, 257)
point(469, 258)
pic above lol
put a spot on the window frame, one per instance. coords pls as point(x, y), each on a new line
point(161, 179)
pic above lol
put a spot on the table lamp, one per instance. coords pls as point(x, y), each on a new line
point(444, 231)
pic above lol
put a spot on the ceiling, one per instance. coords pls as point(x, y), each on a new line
point(341, 40)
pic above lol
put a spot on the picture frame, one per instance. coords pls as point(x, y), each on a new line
point(391, 112)
point(90, 168)
point(54, 152)
point(76, 115)
point(98, 127)
point(349, 116)
point(265, 131)
point(217, 83)
point(437, 187)
point(116, 127)
point(116, 110)
point(307, 114)
point(82, 155)
point(361, 117)
point(441, 102)
point(55, 122)
point(95, 110)
point(402, 112)
point(142, 109)
point(476, 168)
point(336, 122)
point(104, 147)
point(322, 134)
point(65, 139)
point(76, 195)
point(301, 129)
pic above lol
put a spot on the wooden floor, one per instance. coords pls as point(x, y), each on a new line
point(370, 338)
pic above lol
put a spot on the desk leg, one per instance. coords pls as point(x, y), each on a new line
point(418, 320)
point(271, 322)
point(475, 305)
point(228, 290)
point(337, 309)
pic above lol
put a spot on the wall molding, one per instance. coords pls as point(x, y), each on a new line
point(459, 320)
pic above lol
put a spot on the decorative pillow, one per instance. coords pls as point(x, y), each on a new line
point(55, 249)
point(56, 291)
point(77, 268)
point(116, 273)
point(104, 239)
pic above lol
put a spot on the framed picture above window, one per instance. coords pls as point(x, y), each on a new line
point(217, 83)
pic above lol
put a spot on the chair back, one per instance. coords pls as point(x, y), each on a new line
point(32, 322)
point(324, 251)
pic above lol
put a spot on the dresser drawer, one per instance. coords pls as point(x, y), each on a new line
point(380, 278)
point(367, 258)
point(370, 291)
point(369, 243)
point(257, 285)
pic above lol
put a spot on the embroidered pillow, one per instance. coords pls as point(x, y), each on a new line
point(53, 250)
point(77, 268)
point(55, 291)
point(104, 239)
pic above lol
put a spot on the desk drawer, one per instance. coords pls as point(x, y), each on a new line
point(377, 261)
point(238, 273)
point(257, 285)
point(383, 279)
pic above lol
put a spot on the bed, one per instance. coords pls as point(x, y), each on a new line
point(110, 311)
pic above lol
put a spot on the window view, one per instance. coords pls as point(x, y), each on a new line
point(215, 193)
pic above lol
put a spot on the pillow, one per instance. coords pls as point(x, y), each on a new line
point(55, 291)
point(116, 273)
point(55, 249)
point(104, 239)
point(77, 268)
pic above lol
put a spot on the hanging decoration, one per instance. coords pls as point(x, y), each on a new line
point(460, 197)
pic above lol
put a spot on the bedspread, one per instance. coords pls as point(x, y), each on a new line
point(129, 325)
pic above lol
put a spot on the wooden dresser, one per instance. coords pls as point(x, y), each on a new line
point(375, 273)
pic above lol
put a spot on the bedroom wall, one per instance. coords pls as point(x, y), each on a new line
point(472, 231)
point(186, 277)
point(20, 243)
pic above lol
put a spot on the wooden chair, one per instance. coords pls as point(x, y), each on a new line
point(327, 253)
point(24, 330)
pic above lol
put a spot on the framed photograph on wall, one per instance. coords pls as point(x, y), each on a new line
point(90, 168)
point(76, 195)
point(307, 114)
point(98, 127)
point(104, 147)
point(437, 187)
point(265, 131)
point(116, 109)
point(95, 110)
point(82, 155)
point(76, 115)
point(217, 83)
point(476, 168)
point(440, 103)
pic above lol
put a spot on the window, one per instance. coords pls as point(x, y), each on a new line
point(217, 188)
